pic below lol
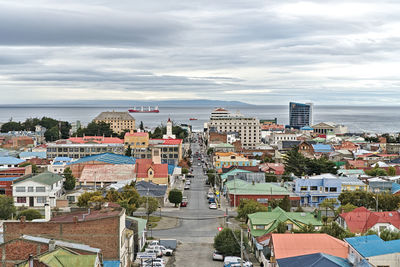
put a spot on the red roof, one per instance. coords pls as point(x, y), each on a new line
point(94, 214)
point(277, 168)
point(361, 219)
point(96, 139)
point(220, 109)
point(143, 166)
point(170, 141)
point(139, 134)
point(292, 245)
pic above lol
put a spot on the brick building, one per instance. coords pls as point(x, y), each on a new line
point(7, 176)
point(103, 229)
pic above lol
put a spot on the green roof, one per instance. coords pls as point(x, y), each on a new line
point(240, 187)
point(141, 223)
point(47, 178)
point(224, 145)
point(273, 218)
point(231, 172)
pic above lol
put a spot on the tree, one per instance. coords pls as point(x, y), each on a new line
point(128, 151)
point(281, 228)
point(34, 167)
point(30, 214)
point(270, 178)
point(376, 172)
point(70, 181)
point(96, 129)
point(227, 242)
point(309, 228)
point(295, 162)
point(175, 196)
point(285, 204)
point(11, 126)
point(329, 203)
point(150, 204)
point(387, 235)
point(52, 134)
point(189, 152)
point(249, 206)
point(391, 171)
point(141, 127)
point(112, 196)
point(7, 208)
point(336, 231)
point(130, 199)
point(346, 208)
point(185, 171)
point(84, 199)
point(210, 151)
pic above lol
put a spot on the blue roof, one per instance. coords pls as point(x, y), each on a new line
point(41, 155)
point(322, 148)
point(107, 158)
point(111, 263)
point(395, 188)
point(372, 245)
point(8, 179)
point(62, 159)
point(306, 128)
point(315, 260)
point(10, 161)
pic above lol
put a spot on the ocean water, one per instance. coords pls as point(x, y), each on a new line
point(358, 119)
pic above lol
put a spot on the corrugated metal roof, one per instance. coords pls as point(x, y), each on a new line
point(108, 173)
point(315, 260)
point(47, 178)
point(10, 161)
point(240, 187)
point(111, 263)
point(62, 243)
point(41, 155)
point(107, 158)
point(372, 245)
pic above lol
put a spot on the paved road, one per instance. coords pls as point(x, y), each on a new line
point(197, 230)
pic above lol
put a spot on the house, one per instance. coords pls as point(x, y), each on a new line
point(106, 174)
point(238, 189)
point(225, 159)
point(347, 145)
point(39, 162)
point(147, 170)
point(36, 190)
point(136, 140)
point(223, 147)
point(352, 184)
point(7, 176)
point(138, 226)
point(314, 190)
point(245, 175)
point(322, 148)
point(287, 145)
point(59, 164)
point(273, 168)
point(152, 190)
point(102, 228)
point(17, 250)
point(314, 260)
point(261, 223)
point(374, 250)
point(292, 245)
point(357, 164)
point(10, 162)
point(360, 220)
point(306, 149)
point(31, 155)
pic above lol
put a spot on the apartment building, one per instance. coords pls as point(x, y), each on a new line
point(119, 121)
point(248, 129)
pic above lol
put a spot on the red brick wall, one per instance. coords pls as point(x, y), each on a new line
point(18, 250)
point(7, 185)
point(255, 197)
point(101, 233)
point(217, 137)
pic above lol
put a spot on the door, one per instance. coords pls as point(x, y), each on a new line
point(31, 202)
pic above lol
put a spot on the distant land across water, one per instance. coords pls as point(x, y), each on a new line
point(356, 118)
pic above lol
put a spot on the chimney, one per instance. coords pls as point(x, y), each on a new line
point(75, 219)
point(30, 260)
point(269, 208)
point(52, 245)
point(47, 212)
point(22, 219)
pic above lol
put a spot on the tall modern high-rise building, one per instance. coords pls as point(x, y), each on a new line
point(300, 115)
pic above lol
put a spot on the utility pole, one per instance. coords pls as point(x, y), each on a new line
point(241, 247)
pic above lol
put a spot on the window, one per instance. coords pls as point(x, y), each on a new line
point(2, 191)
point(289, 226)
point(20, 189)
point(260, 227)
point(40, 189)
point(21, 199)
point(313, 188)
point(41, 200)
point(30, 189)
point(303, 188)
point(314, 199)
point(332, 189)
point(262, 200)
point(326, 189)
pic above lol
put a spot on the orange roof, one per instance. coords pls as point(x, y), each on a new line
point(96, 139)
point(292, 245)
point(138, 134)
point(143, 165)
point(169, 141)
point(226, 154)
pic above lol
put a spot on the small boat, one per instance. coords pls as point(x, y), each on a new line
point(193, 119)
point(145, 110)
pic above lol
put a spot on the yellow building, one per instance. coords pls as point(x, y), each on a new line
point(226, 159)
point(136, 140)
point(353, 184)
point(119, 121)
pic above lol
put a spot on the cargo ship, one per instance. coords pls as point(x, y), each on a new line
point(145, 110)
point(193, 119)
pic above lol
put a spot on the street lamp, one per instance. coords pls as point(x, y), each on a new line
point(376, 201)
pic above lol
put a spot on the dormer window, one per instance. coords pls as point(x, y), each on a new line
point(151, 173)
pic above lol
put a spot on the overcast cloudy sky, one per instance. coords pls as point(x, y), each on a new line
point(261, 52)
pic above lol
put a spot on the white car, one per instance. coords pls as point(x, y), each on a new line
point(212, 206)
point(165, 251)
point(210, 195)
point(158, 252)
point(198, 164)
point(154, 264)
point(188, 182)
point(217, 256)
point(160, 260)
point(233, 261)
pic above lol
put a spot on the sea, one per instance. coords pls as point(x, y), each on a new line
point(358, 119)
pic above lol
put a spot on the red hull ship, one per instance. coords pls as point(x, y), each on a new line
point(144, 110)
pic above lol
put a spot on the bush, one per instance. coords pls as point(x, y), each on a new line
point(175, 196)
point(30, 214)
point(249, 206)
point(226, 243)
point(7, 208)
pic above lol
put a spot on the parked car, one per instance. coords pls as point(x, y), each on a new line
point(188, 182)
point(198, 164)
point(165, 251)
point(187, 187)
point(213, 206)
point(217, 256)
point(149, 261)
point(154, 264)
point(232, 261)
point(158, 252)
point(184, 202)
point(210, 195)
point(211, 200)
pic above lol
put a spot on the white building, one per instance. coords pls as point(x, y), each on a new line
point(169, 134)
point(10, 162)
point(329, 127)
point(58, 164)
point(248, 129)
point(37, 190)
point(275, 138)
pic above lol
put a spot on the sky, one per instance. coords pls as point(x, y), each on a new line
point(261, 52)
